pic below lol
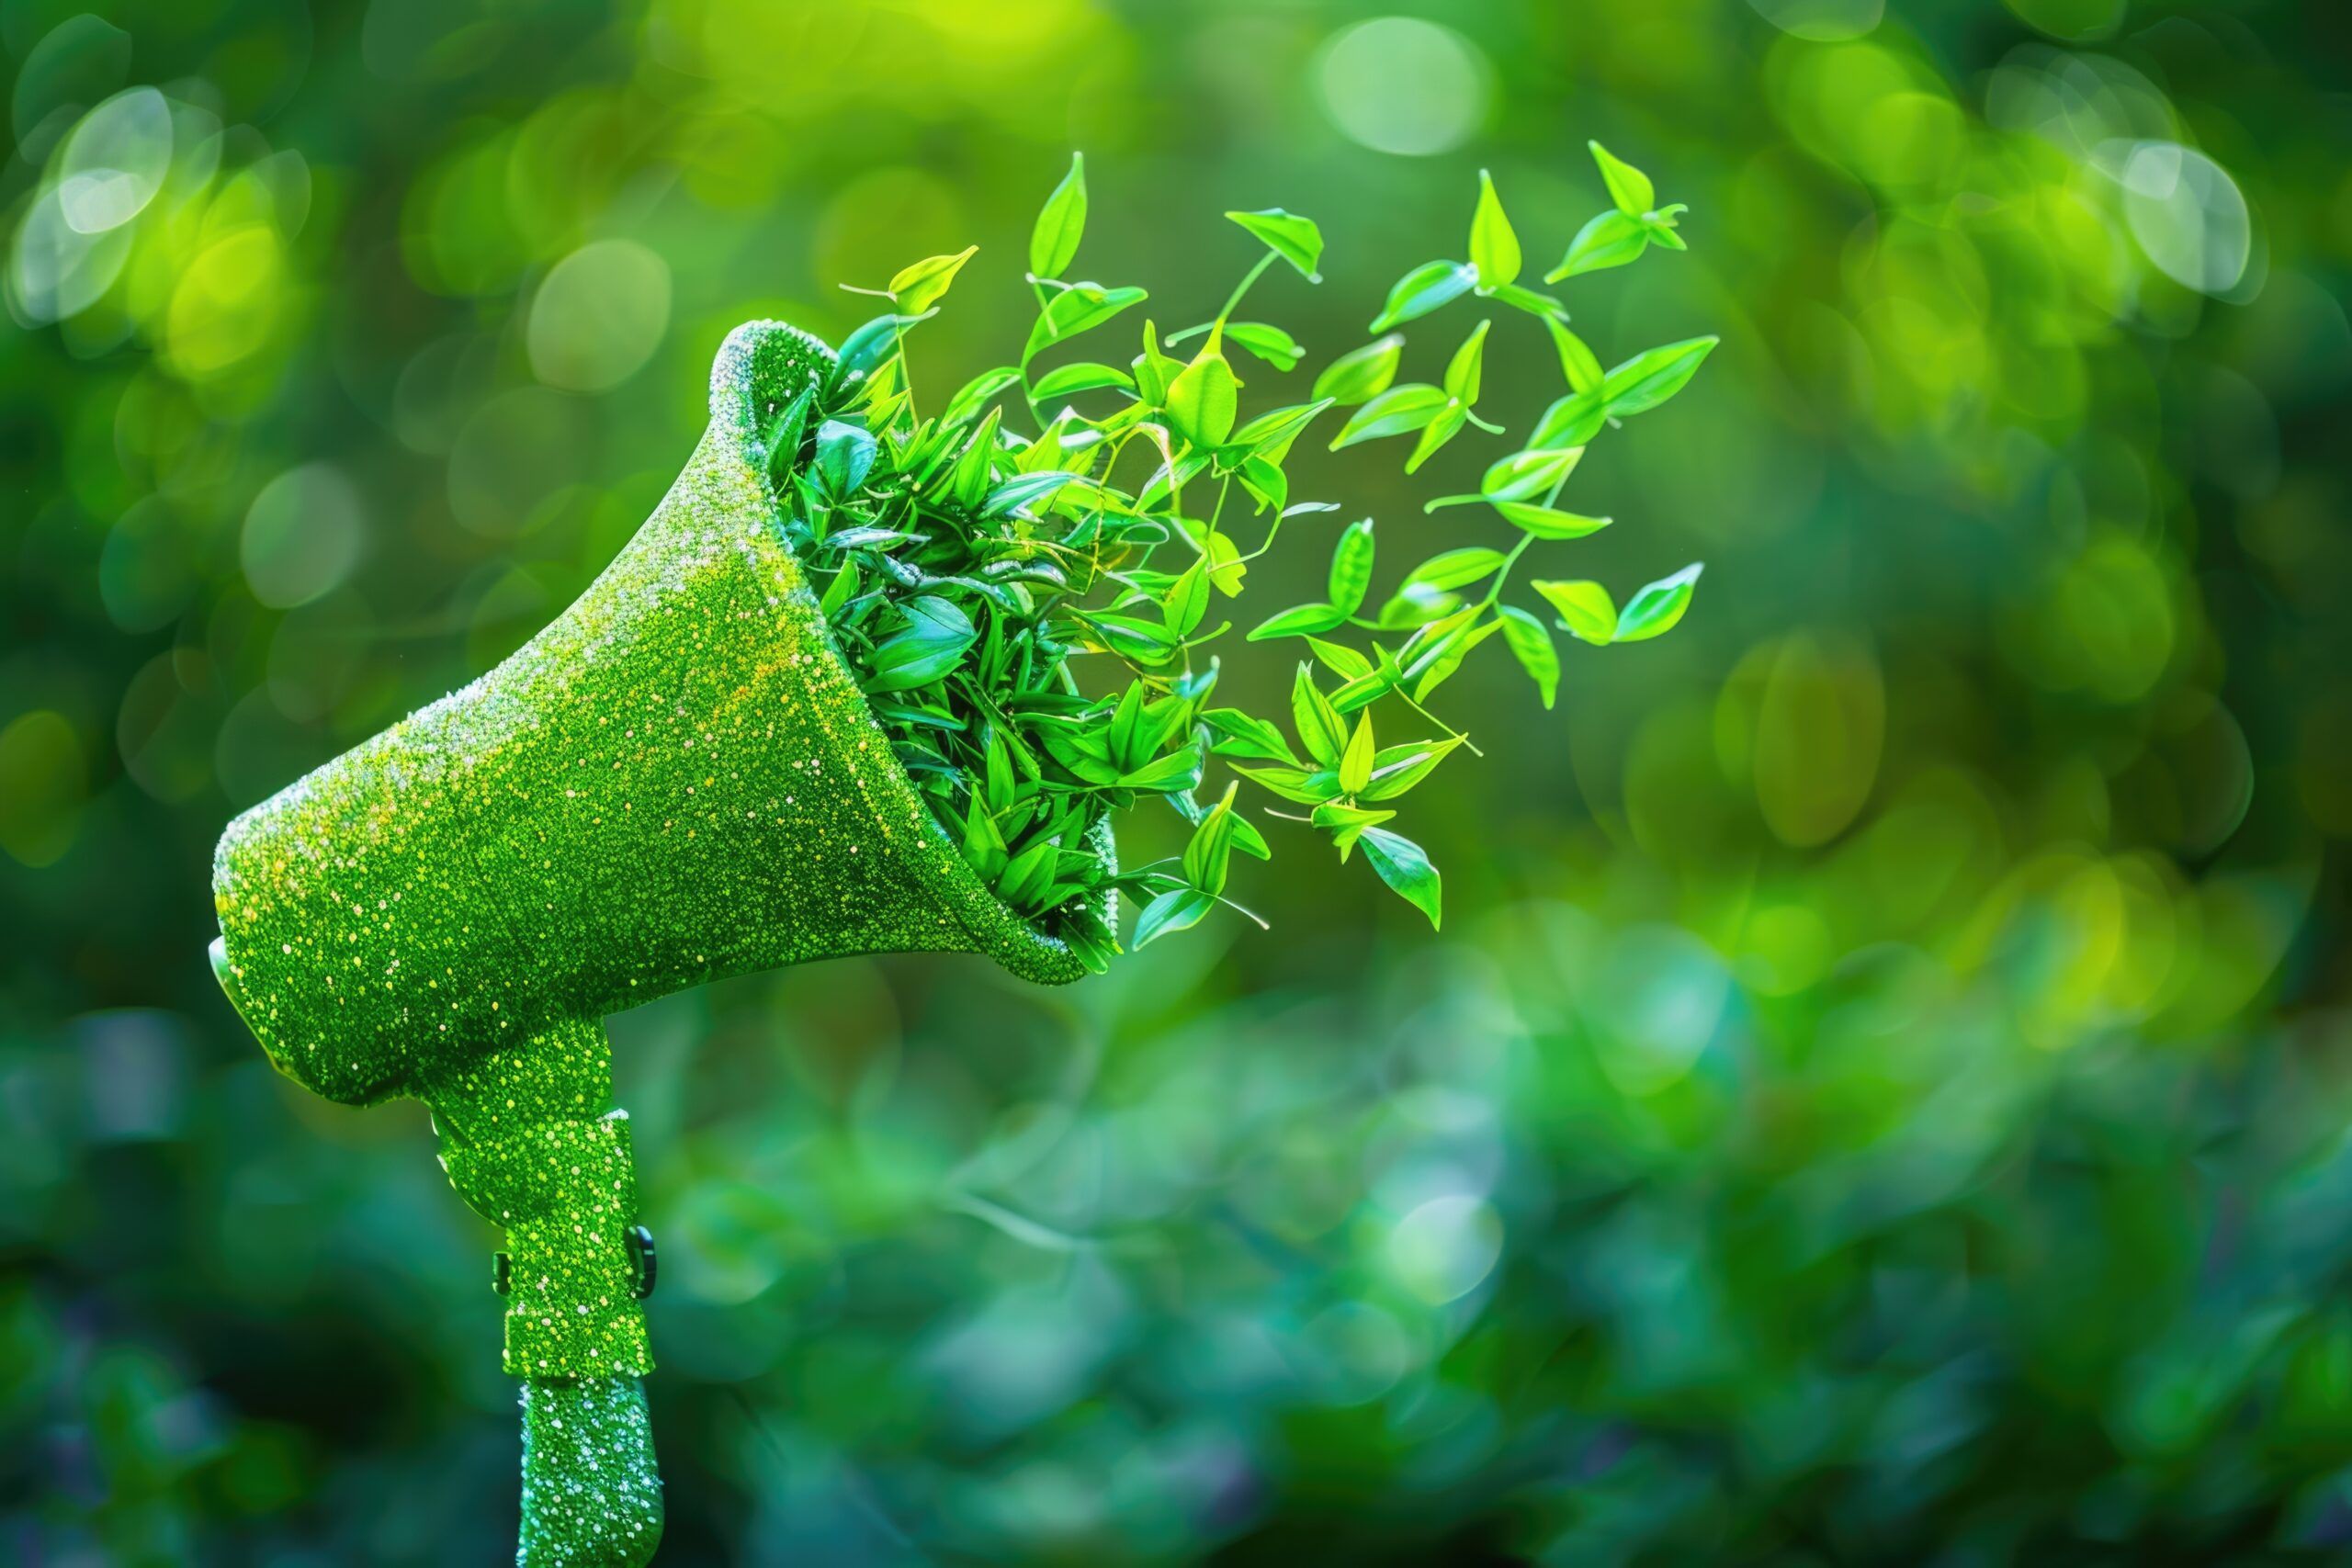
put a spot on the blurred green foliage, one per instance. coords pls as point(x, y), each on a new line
point(1882, 1098)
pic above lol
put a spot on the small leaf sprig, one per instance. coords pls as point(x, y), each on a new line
point(1051, 516)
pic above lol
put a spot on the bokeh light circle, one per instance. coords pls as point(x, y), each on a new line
point(1402, 85)
point(302, 535)
point(2189, 215)
point(1444, 1250)
point(599, 316)
point(115, 161)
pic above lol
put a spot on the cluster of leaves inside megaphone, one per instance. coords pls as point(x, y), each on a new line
point(968, 558)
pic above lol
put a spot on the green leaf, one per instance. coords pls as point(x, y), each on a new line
point(1362, 373)
point(1550, 523)
point(1657, 606)
point(785, 436)
point(1177, 910)
point(973, 397)
point(1611, 239)
point(1340, 660)
point(1628, 186)
point(1270, 433)
point(1240, 734)
point(1576, 360)
point(1531, 643)
point(1299, 620)
point(917, 287)
point(931, 644)
point(1295, 239)
point(1455, 569)
point(1396, 769)
point(1586, 610)
point(1308, 788)
point(1448, 424)
point(1024, 881)
point(1650, 377)
point(1080, 308)
point(1355, 762)
point(1154, 370)
point(1423, 289)
point(871, 347)
point(1318, 723)
point(1053, 243)
point(1397, 411)
point(1204, 396)
point(844, 455)
point(1082, 376)
point(1209, 856)
point(1401, 864)
point(1532, 473)
point(1027, 490)
point(1462, 372)
point(1494, 248)
point(1179, 769)
point(1352, 567)
point(1272, 344)
point(1346, 824)
point(1572, 421)
point(1188, 601)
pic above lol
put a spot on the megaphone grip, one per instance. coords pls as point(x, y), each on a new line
point(531, 1145)
point(591, 1496)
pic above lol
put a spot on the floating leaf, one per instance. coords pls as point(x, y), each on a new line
point(1654, 610)
point(1397, 411)
point(1550, 523)
point(1082, 376)
point(1586, 610)
point(1080, 308)
point(1611, 239)
point(1653, 375)
point(1362, 373)
point(1423, 289)
point(1295, 239)
point(1576, 360)
point(1531, 643)
point(1272, 344)
point(1299, 620)
point(1628, 186)
point(1351, 561)
point(917, 287)
point(1174, 910)
point(1455, 569)
point(1494, 248)
point(1401, 864)
point(1461, 372)
point(1053, 242)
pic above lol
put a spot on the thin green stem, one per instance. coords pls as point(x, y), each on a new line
point(1253, 275)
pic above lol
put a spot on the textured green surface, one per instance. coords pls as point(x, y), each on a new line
point(677, 780)
point(533, 1144)
point(590, 1499)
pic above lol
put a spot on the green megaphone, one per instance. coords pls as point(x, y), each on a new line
point(677, 780)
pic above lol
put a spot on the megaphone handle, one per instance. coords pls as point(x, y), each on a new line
point(532, 1142)
point(590, 1497)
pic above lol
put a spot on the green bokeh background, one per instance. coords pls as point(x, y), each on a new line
point(1881, 1093)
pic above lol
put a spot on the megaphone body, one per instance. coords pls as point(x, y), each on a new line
point(677, 780)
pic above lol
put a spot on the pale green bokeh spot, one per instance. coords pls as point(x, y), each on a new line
point(1399, 84)
point(43, 777)
point(302, 535)
point(115, 161)
point(2189, 215)
point(1444, 1250)
point(599, 316)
